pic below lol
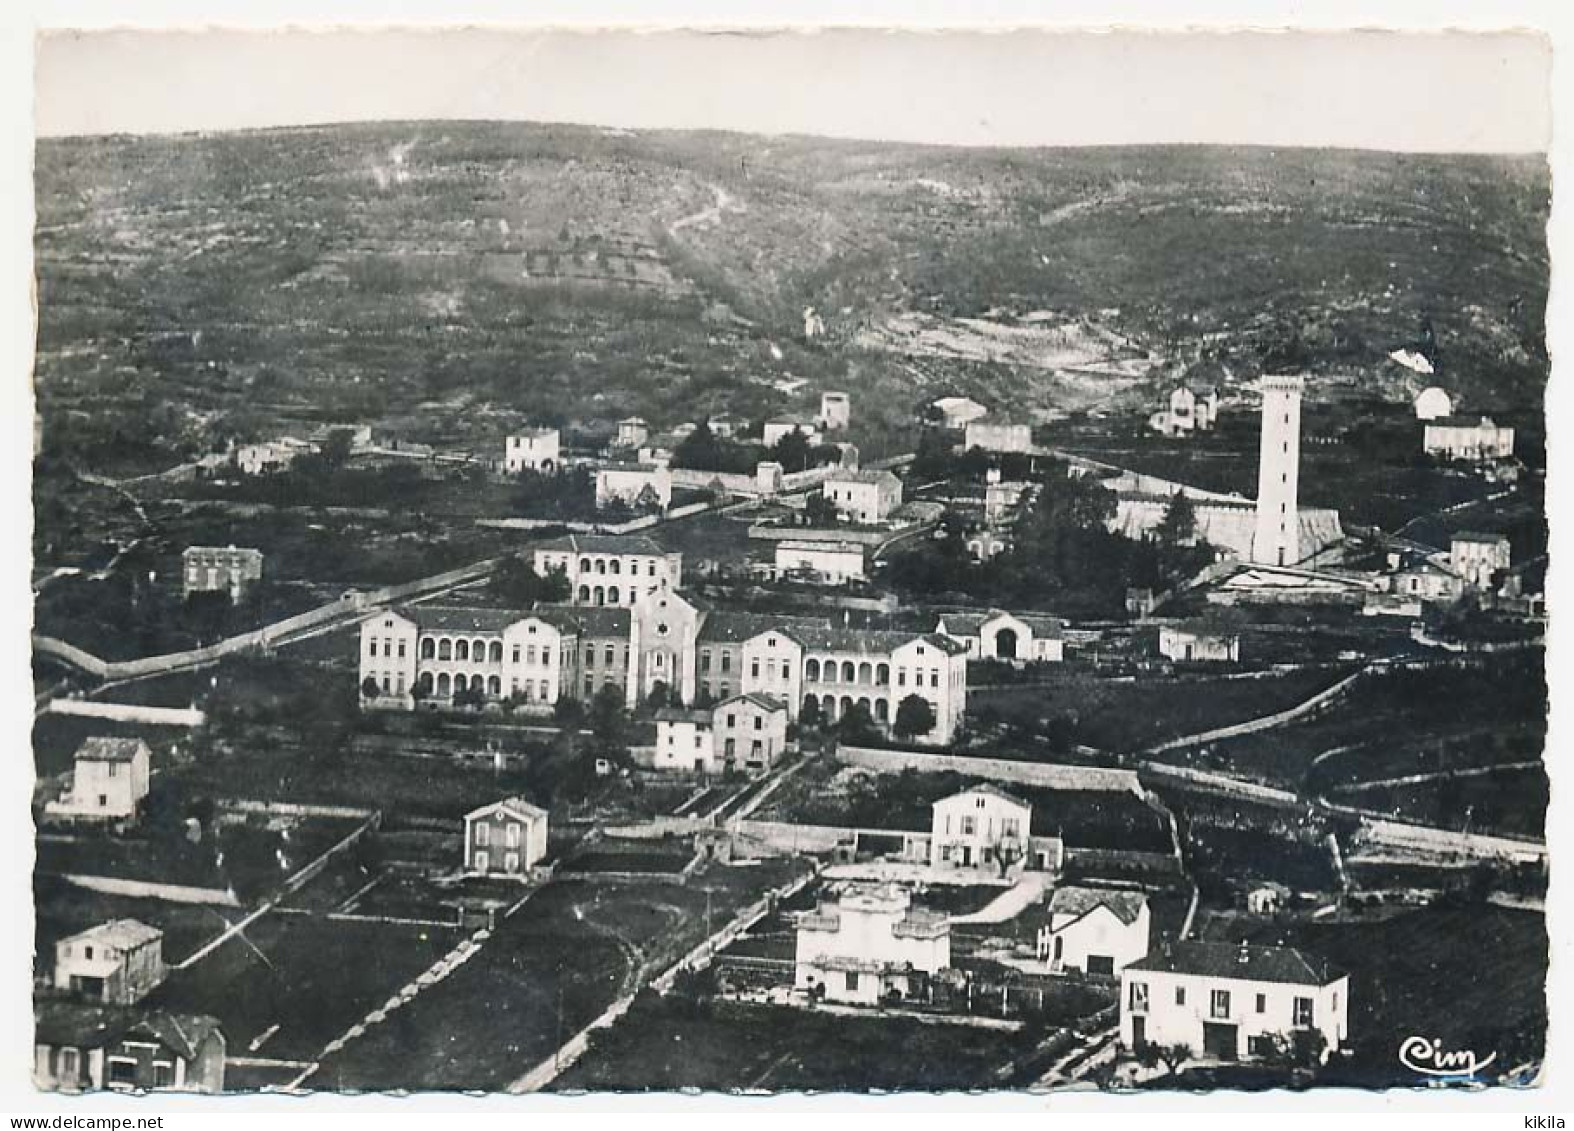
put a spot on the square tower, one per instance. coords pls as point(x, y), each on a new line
point(1277, 539)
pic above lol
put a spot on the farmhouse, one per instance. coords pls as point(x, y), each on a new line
point(1477, 557)
point(1228, 1000)
point(535, 449)
point(1426, 580)
point(870, 946)
point(1094, 930)
point(220, 569)
point(983, 827)
point(507, 837)
point(610, 569)
point(270, 456)
point(864, 496)
point(957, 412)
point(1432, 403)
point(86, 1048)
point(836, 411)
point(1198, 643)
point(998, 436)
point(114, 963)
point(647, 485)
point(109, 781)
point(998, 635)
point(831, 563)
point(1481, 441)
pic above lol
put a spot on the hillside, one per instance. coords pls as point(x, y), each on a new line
point(450, 277)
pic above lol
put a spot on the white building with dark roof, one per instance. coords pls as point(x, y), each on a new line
point(534, 449)
point(611, 569)
point(1479, 557)
point(507, 837)
point(877, 669)
point(995, 634)
point(1227, 1000)
point(109, 781)
point(1098, 931)
point(870, 946)
point(114, 963)
point(982, 828)
point(1471, 441)
point(220, 569)
point(866, 497)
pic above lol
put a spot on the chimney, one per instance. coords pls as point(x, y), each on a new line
point(1245, 955)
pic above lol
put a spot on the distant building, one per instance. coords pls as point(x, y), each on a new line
point(986, 542)
point(1478, 557)
point(1191, 408)
point(109, 781)
point(1002, 498)
point(220, 569)
point(535, 449)
point(429, 654)
point(611, 569)
point(998, 436)
point(871, 946)
point(90, 1048)
point(998, 635)
point(1433, 404)
point(269, 457)
point(1198, 643)
point(1468, 441)
point(768, 475)
point(685, 740)
point(507, 837)
point(728, 426)
point(114, 963)
point(836, 411)
point(847, 669)
point(831, 563)
point(632, 432)
point(634, 485)
point(780, 426)
point(1427, 581)
point(1227, 1001)
point(983, 828)
point(866, 497)
point(957, 412)
point(749, 732)
point(1096, 931)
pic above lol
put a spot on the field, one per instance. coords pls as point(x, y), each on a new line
point(547, 971)
point(662, 1045)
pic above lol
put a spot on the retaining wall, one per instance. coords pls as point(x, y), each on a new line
point(1048, 774)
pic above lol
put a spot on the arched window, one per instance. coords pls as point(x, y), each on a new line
point(849, 672)
point(428, 648)
point(424, 682)
point(612, 593)
point(584, 565)
point(865, 673)
point(445, 649)
point(494, 686)
point(881, 711)
point(882, 674)
point(584, 592)
point(601, 565)
point(846, 705)
point(460, 683)
point(601, 595)
point(478, 651)
point(461, 649)
point(496, 653)
point(811, 672)
point(442, 684)
point(617, 566)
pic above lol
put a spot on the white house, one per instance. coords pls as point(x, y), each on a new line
point(535, 449)
point(1198, 643)
point(507, 837)
point(1478, 557)
point(109, 781)
point(115, 963)
point(748, 731)
point(1226, 1000)
point(983, 828)
point(864, 496)
point(611, 569)
point(957, 412)
point(1191, 408)
point(432, 653)
point(999, 635)
point(270, 456)
point(1426, 580)
point(220, 569)
point(836, 411)
point(1097, 931)
point(870, 946)
point(832, 563)
point(634, 485)
point(779, 426)
point(1432, 403)
point(998, 436)
point(685, 740)
point(1475, 442)
point(632, 432)
point(875, 670)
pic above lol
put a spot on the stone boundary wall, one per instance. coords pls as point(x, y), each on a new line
point(1050, 775)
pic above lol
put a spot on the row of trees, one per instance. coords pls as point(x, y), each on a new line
point(703, 450)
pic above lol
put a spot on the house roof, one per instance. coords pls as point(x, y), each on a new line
point(461, 618)
point(821, 547)
point(1463, 422)
point(66, 1024)
point(881, 477)
point(126, 934)
point(1241, 961)
point(100, 748)
point(727, 626)
point(1079, 901)
point(1479, 536)
point(764, 702)
point(242, 551)
point(185, 1033)
point(515, 804)
point(1202, 630)
point(683, 715)
point(944, 403)
point(971, 624)
point(591, 620)
point(605, 544)
point(632, 420)
point(800, 421)
point(869, 641)
point(984, 787)
point(541, 430)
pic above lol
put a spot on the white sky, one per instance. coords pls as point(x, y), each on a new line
point(1455, 92)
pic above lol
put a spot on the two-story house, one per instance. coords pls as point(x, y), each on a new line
point(534, 449)
point(220, 569)
point(870, 946)
point(110, 780)
point(114, 963)
point(864, 497)
point(87, 1048)
point(1229, 1000)
point(749, 731)
point(983, 827)
point(685, 740)
point(507, 837)
point(1098, 931)
point(875, 670)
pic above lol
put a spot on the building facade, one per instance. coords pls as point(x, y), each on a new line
point(611, 569)
point(780, 426)
point(507, 837)
point(749, 731)
point(1095, 931)
point(535, 449)
point(957, 412)
point(220, 569)
point(634, 485)
point(982, 828)
point(870, 946)
point(1226, 1001)
point(115, 963)
point(1479, 558)
point(1192, 644)
point(999, 635)
point(685, 740)
point(90, 1048)
point(864, 496)
point(876, 670)
point(836, 411)
point(109, 781)
point(830, 563)
point(1277, 538)
point(998, 436)
point(1479, 441)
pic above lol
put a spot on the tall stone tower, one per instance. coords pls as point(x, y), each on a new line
point(1277, 540)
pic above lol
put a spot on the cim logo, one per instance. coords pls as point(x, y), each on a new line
point(1430, 1058)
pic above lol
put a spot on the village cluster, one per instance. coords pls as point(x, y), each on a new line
point(983, 910)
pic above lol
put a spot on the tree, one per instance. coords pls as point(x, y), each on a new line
point(337, 446)
point(516, 583)
point(809, 717)
point(568, 713)
point(608, 720)
point(370, 688)
point(819, 510)
point(471, 696)
point(700, 450)
point(792, 451)
point(1173, 1055)
point(915, 716)
point(1179, 525)
point(857, 724)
